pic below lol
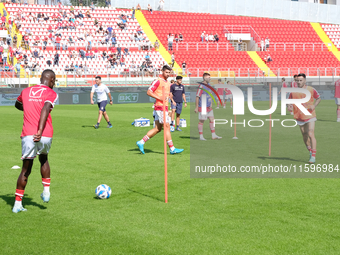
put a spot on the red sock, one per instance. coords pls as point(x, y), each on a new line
point(46, 182)
point(313, 153)
point(19, 193)
point(170, 143)
point(145, 138)
point(200, 128)
point(309, 148)
point(338, 113)
point(212, 128)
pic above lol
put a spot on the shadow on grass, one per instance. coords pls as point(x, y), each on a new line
point(281, 158)
point(9, 199)
point(190, 137)
point(85, 126)
point(146, 151)
point(145, 195)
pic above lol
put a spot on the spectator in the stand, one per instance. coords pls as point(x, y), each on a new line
point(122, 26)
point(92, 6)
point(18, 68)
point(110, 29)
point(207, 37)
point(88, 15)
point(262, 45)
point(49, 61)
point(173, 59)
point(89, 42)
point(149, 8)
point(217, 38)
point(119, 50)
point(170, 42)
point(147, 57)
point(176, 38)
point(4, 54)
point(56, 59)
point(265, 59)
point(64, 44)
point(133, 12)
point(122, 61)
point(161, 5)
point(156, 45)
point(239, 44)
point(58, 40)
point(35, 53)
point(269, 59)
point(82, 54)
point(80, 2)
point(107, 3)
point(184, 67)
point(267, 43)
point(138, 7)
point(114, 41)
point(87, 55)
point(104, 55)
point(180, 37)
point(126, 51)
point(211, 38)
point(70, 40)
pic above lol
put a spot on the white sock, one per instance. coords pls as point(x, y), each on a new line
point(46, 188)
point(213, 134)
point(18, 203)
point(142, 141)
point(201, 136)
point(172, 148)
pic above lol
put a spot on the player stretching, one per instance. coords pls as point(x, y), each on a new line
point(337, 99)
point(101, 91)
point(155, 91)
point(210, 114)
point(306, 122)
point(177, 93)
point(36, 138)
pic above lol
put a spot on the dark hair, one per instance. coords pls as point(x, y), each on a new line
point(219, 80)
point(301, 74)
point(178, 77)
point(172, 81)
point(166, 67)
point(283, 79)
point(205, 74)
point(47, 71)
point(295, 75)
point(98, 77)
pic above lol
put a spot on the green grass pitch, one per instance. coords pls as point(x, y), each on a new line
point(203, 216)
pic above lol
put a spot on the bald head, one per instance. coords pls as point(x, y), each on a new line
point(48, 78)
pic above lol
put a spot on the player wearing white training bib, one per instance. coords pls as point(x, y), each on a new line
point(101, 90)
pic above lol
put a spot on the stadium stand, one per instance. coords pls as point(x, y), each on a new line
point(39, 23)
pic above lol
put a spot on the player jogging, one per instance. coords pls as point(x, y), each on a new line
point(203, 90)
point(155, 91)
point(36, 138)
point(285, 85)
point(101, 91)
point(306, 122)
point(337, 99)
point(220, 92)
point(228, 95)
point(177, 94)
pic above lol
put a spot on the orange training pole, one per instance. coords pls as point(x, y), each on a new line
point(270, 117)
point(165, 149)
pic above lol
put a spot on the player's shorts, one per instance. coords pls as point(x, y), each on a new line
point(102, 105)
point(31, 149)
point(301, 123)
point(337, 101)
point(178, 107)
point(204, 117)
point(159, 117)
point(226, 97)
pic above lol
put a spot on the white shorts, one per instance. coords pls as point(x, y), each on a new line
point(337, 101)
point(159, 117)
point(31, 149)
point(301, 123)
point(226, 97)
point(204, 117)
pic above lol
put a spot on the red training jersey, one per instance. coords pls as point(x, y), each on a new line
point(156, 88)
point(294, 84)
point(33, 100)
point(284, 85)
point(337, 89)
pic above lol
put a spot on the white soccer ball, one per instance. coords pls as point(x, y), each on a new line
point(172, 128)
point(103, 191)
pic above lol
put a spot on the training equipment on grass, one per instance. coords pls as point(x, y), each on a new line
point(103, 191)
point(183, 123)
point(141, 122)
point(15, 167)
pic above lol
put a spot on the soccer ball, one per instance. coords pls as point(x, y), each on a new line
point(103, 191)
point(172, 128)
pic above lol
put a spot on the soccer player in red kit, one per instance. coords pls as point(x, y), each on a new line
point(337, 99)
point(294, 83)
point(306, 122)
point(36, 138)
point(156, 91)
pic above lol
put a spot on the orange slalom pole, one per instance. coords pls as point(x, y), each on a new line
point(270, 117)
point(165, 148)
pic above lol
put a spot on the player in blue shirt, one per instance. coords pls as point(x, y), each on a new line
point(177, 93)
